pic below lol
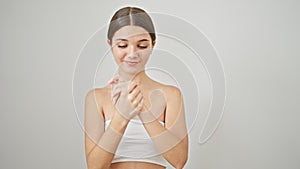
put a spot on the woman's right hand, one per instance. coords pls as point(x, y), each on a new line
point(127, 97)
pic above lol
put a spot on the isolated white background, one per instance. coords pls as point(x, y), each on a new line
point(258, 44)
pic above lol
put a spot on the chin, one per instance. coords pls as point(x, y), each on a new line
point(129, 70)
point(133, 72)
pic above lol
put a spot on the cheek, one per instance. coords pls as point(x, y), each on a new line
point(118, 54)
point(145, 54)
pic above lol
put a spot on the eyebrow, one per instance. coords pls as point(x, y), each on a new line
point(142, 40)
point(121, 39)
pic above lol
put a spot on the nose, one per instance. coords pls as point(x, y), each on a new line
point(132, 53)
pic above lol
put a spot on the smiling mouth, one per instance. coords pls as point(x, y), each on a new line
point(130, 63)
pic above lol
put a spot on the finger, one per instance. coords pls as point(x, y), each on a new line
point(114, 79)
point(132, 96)
point(116, 92)
point(137, 100)
point(140, 105)
point(114, 100)
point(140, 97)
point(132, 86)
point(116, 97)
point(120, 86)
point(114, 87)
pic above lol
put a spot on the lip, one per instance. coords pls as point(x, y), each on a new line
point(131, 63)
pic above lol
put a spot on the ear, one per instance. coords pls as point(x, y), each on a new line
point(153, 43)
point(109, 42)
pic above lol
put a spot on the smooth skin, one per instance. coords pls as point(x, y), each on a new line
point(99, 106)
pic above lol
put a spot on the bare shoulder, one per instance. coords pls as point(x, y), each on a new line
point(172, 92)
point(99, 94)
point(168, 89)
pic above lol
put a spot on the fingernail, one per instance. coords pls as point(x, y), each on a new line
point(110, 81)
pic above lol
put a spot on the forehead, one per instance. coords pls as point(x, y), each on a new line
point(131, 33)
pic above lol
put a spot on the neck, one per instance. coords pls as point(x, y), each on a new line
point(140, 76)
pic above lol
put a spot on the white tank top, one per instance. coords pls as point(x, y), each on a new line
point(136, 145)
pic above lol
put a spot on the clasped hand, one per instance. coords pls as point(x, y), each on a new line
point(127, 97)
point(129, 101)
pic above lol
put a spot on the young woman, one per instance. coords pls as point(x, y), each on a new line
point(134, 121)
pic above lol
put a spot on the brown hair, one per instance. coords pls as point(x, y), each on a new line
point(131, 16)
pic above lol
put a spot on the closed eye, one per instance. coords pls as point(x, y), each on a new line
point(122, 46)
point(143, 47)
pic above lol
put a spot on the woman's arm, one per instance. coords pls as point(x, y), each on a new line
point(171, 139)
point(100, 145)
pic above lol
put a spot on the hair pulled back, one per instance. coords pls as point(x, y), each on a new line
point(130, 16)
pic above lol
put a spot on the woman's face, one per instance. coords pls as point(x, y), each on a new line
point(131, 48)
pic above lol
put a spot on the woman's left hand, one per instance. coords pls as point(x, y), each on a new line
point(127, 97)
